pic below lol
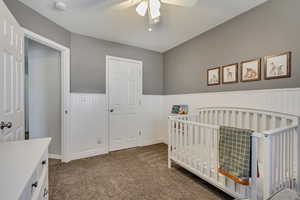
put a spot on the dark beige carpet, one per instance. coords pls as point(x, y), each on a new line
point(134, 174)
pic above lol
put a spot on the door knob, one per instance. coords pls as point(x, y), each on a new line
point(111, 110)
point(5, 125)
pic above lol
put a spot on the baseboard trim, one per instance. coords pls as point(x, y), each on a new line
point(88, 153)
point(153, 141)
point(54, 156)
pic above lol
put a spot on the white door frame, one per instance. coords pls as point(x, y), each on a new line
point(140, 88)
point(65, 90)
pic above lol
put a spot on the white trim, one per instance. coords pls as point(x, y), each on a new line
point(38, 38)
point(65, 80)
point(240, 92)
point(54, 156)
point(152, 142)
point(107, 92)
point(88, 153)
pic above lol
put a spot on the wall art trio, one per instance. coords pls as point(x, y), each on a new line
point(276, 66)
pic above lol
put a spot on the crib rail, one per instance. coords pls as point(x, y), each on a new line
point(280, 160)
point(187, 134)
point(193, 144)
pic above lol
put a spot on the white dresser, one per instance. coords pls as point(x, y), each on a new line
point(24, 170)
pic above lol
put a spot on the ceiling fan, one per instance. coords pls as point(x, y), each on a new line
point(152, 7)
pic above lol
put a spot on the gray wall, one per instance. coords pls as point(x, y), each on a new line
point(44, 101)
point(88, 54)
point(37, 23)
point(271, 28)
point(88, 64)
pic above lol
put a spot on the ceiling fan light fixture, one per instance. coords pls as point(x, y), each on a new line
point(154, 8)
point(142, 8)
point(156, 20)
point(154, 4)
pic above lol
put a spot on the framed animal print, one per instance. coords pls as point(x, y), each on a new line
point(213, 76)
point(278, 66)
point(230, 73)
point(251, 70)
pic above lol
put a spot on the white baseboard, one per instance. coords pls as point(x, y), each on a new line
point(101, 151)
point(54, 156)
point(151, 142)
point(86, 154)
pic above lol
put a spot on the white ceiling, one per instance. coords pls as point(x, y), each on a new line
point(106, 19)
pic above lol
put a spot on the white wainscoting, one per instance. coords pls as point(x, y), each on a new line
point(151, 119)
point(279, 100)
point(88, 114)
point(89, 123)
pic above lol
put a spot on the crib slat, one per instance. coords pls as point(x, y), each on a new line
point(191, 144)
point(255, 122)
point(170, 143)
point(234, 122)
point(221, 117)
point(285, 161)
point(278, 147)
point(289, 157)
point(178, 134)
point(254, 169)
point(267, 166)
point(277, 161)
point(217, 117)
point(185, 135)
point(209, 117)
point(209, 145)
point(173, 138)
point(239, 119)
point(293, 154)
point(227, 118)
point(247, 120)
point(282, 159)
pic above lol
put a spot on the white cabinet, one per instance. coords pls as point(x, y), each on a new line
point(26, 168)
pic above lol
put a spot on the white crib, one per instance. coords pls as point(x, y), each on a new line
point(193, 144)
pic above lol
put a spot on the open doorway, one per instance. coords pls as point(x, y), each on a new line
point(43, 94)
point(47, 92)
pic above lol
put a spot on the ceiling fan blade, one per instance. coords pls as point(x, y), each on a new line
point(186, 3)
point(95, 3)
point(127, 4)
point(142, 8)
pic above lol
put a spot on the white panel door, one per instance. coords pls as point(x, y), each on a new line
point(11, 77)
point(124, 93)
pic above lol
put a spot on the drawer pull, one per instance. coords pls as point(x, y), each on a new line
point(45, 192)
point(35, 184)
point(44, 162)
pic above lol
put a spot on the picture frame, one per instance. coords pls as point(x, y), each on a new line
point(213, 76)
point(250, 70)
point(278, 66)
point(230, 73)
point(180, 109)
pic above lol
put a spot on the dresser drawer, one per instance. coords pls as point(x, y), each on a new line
point(37, 187)
point(31, 187)
point(41, 192)
point(42, 165)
